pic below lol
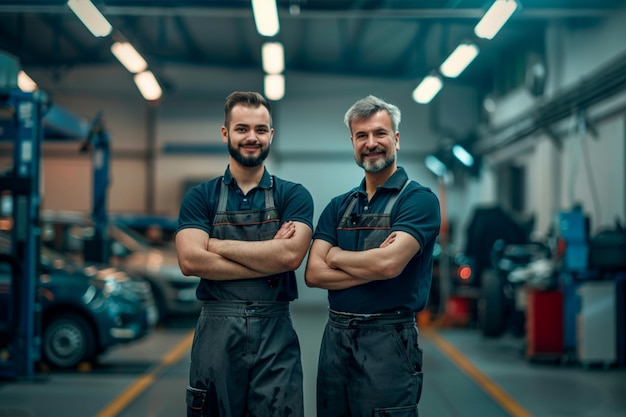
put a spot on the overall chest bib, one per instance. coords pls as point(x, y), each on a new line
point(369, 230)
point(248, 225)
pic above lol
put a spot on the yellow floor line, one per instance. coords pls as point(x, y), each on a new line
point(145, 381)
point(490, 387)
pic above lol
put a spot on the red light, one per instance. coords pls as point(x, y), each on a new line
point(465, 272)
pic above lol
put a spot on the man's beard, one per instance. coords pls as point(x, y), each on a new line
point(377, 166)
point(249, 162)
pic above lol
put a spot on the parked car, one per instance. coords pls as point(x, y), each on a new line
point(158, 230)
point(85, 309)
point(175, 293)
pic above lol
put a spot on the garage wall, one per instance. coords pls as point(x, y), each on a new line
point(571, 168)
point(594, 173)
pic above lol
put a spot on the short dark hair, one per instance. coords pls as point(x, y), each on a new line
point(246, 98)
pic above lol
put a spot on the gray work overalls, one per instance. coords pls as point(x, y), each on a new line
point(370, 365)
point(245, 358)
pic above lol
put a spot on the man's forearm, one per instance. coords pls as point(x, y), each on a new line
point(319, 275)
point(371, 265)
point(282, 253)
point(260, 256)
point(217, 268)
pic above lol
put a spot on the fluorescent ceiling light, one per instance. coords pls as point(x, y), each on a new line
point(265, 17)
point(148, 85)
point(274, 86)
point(91, 17)
point(462, 155)
point(427, 89)
point(493, 20)
point(435, 165)
point(458, 60)
point(129, 57)
point(273, 56)
point(25, 83)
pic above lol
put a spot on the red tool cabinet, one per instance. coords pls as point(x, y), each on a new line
point(544, 324)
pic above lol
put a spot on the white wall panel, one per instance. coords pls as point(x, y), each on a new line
point(587, 48)
point(594, 174)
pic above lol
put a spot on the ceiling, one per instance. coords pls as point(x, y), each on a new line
point(387, 40)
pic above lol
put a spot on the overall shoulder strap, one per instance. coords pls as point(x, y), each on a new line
point(394, 198)
point(269, 195)
point(221, 204)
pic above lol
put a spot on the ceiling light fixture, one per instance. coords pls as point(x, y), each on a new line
point(274, 86)
point(458, 60)
point(435, 165)
point(495, 17)
point(91, 17)
point(427, 89)
point(129, 57)
point(148, 85)
point(25, 83)
point(266, 17)
point(273, 55)
point(463, 155)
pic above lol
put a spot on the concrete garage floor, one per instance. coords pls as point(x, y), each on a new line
point(465, 375)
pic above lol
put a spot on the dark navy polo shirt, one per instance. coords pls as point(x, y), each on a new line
point(417, 213)
point(293, 201)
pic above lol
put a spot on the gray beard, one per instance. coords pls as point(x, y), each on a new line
point(373, 168)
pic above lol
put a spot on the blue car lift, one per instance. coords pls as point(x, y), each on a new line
point(21, 115)
point(27, 119)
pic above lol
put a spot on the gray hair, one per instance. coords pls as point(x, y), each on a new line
point(366, 107)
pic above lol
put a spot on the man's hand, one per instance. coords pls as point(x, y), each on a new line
point(329, 256)
point(286, 231)
point(390, 239)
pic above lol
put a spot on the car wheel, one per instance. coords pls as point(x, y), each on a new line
point(491, 304)
point(67, 341)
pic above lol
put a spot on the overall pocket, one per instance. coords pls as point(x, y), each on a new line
point(195, 402)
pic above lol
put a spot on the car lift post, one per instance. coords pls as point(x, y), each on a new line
point(65, 126)
point(21, 122)
point(97, 140)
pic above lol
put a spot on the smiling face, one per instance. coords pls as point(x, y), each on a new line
point(248, 135)
point(375, 142)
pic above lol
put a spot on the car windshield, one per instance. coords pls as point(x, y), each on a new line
point(53, 259)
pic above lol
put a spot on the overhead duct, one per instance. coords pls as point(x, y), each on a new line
point(598, 87)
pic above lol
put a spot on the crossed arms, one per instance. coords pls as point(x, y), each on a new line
point(223, 260)
point(332, 268)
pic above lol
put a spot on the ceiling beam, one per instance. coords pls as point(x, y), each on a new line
point(19, 6)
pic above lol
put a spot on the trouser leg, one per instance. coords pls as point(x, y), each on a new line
point(387, 374)
point(332, 376)
point(218, 369)
point(276, 376)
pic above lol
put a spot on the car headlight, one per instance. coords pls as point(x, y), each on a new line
point(94, 296)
